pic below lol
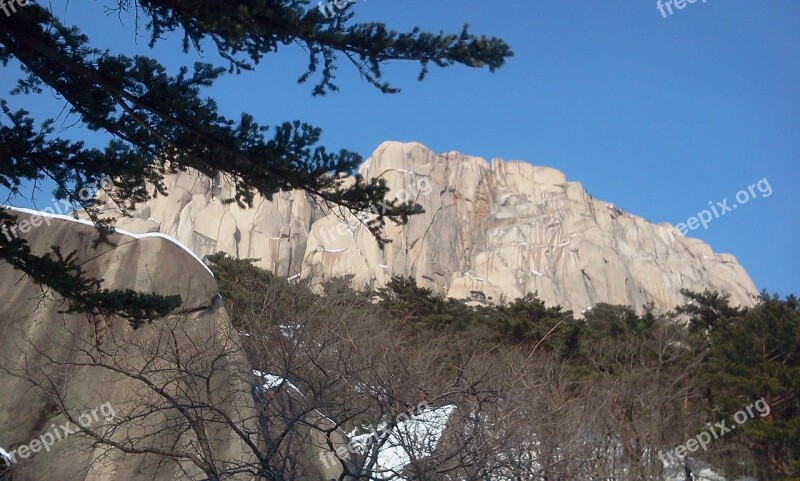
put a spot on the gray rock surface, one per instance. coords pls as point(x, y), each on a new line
point(48, 358)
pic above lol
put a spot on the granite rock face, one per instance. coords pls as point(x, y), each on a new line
point(47, 355)
point(49, 358)
point(491, 230)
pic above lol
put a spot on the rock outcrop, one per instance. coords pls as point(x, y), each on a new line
point(491, 231)
point(49, 362)
point(164, 398)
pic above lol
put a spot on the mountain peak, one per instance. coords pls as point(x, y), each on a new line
point(491, 231)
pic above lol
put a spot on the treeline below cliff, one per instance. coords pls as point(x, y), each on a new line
point(612, 395)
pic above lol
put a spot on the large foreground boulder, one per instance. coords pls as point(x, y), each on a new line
point(93, 399)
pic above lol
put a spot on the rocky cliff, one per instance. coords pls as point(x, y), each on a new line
point(490, 230)
point(170, 400)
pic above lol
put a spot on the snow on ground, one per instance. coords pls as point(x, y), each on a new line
point(700, 472)
point(274, 382)
point(119, 231)
point(6, 457)
point(415, 438)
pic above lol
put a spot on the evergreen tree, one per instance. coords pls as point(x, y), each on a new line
point(754, 354)
point(159, 123)
point(708, 311)
point(528, 320)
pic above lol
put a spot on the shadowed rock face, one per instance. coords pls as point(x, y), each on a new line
point(490, 229)
point(38, 343)
point(49, 362)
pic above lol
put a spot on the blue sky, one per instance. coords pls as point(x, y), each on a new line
point(657, 115)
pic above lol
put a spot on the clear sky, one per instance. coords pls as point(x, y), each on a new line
point(656, 115)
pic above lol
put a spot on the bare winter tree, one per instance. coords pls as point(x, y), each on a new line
point(640, 395)
point(301, 386)
point(179, 393)
point(412, 408)
point(336, 393)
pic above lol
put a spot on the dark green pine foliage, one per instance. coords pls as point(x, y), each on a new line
point(159, 122)
point(64, 275)
point(523, 322)
point(528, 320)
point(242, 286)
point(420, 309)
point(754, 354)
point(708, 310)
